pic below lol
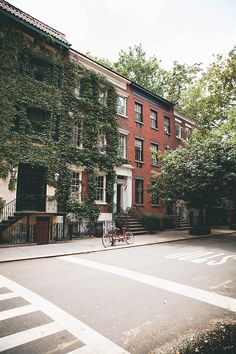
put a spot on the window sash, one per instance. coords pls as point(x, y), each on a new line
point(121, 105)
point(155, 198)
point(138, 150)
point(100, 195)
point(76, 135)
point(167, 125)
point(153, 118)
point(122, 145)
point(75, 186)
point(154, 157)
point(138, 112)
point(178, 130)
point(139, 191)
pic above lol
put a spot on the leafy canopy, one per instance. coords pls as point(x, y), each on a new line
point(202, 172)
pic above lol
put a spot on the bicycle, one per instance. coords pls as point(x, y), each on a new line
point(114, 235)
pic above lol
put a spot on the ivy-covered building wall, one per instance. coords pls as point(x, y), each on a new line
point(58, 115)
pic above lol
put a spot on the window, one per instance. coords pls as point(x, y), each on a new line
point(139, 191)
point(21, 65)
point(40, 69)
point(138, 150)
point(102, 95)
point(153, 119)
point(59, 77)
point(121, 105)
point(154, 152)
point(78, 88)
point(178, 130)
point(187, 133)
point(138, 113)
point(75, 186)
point(167, 125)
point(102, 143)
point(122, 146)
point(155, 199)
point(76, 139)
point(38, 119)
point(100, 189)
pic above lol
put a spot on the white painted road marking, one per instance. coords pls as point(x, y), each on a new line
point(93, 340)
point(18, 311)
point(7, 296)
point(30, 335)
point(202, 257)
point(211, 298)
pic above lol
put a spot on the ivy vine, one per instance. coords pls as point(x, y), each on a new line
point(35, 74)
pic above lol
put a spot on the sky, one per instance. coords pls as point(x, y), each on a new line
point(187, 31)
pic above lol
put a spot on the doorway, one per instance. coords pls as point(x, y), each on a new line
point(42, 230)
point(31, 188)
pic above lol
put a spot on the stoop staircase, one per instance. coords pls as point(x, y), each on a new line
point(131, 223)
point(180, 223)
point(9, 216)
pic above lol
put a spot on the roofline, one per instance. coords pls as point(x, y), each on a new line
point(151, 94)
point(99, 64)
point(34, 28)
point(178, 114)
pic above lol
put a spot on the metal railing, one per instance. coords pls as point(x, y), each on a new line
point(18, 234)
point(8, 210)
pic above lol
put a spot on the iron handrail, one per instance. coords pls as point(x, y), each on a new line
point(8, 210)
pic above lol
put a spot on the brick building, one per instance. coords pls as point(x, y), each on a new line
point(147, 124)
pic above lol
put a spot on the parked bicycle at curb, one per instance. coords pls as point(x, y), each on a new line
point(113, 236)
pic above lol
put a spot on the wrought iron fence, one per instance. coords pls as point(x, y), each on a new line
point(18, 234)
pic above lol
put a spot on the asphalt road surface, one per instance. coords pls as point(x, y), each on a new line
point(129, 300)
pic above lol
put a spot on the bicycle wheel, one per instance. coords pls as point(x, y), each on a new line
point(107, 240)
point(129, 237)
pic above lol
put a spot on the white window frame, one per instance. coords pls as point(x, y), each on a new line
point(121, 108)
point(122, 146)
point(102, 189)
point(76, 186)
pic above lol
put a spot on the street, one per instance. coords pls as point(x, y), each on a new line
point(128, 300)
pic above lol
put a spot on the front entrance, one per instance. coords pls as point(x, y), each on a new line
point(42, 230)
point(31, 188)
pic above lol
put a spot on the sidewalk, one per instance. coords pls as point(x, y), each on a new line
point(16, 253)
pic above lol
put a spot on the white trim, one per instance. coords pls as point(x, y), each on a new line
point(178, 120)
point(123, 131)
point(188, 126)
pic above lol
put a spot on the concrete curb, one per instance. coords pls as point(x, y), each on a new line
point(113, 248)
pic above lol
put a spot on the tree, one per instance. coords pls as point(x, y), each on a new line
point(211, 100)
point(145, 71)
point(200, 173)
point(181, 78)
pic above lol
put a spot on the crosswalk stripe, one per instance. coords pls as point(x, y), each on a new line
point(30, 335)
point(18, 311)
point(208, 297)
point(94, 340)
point(8, 296)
